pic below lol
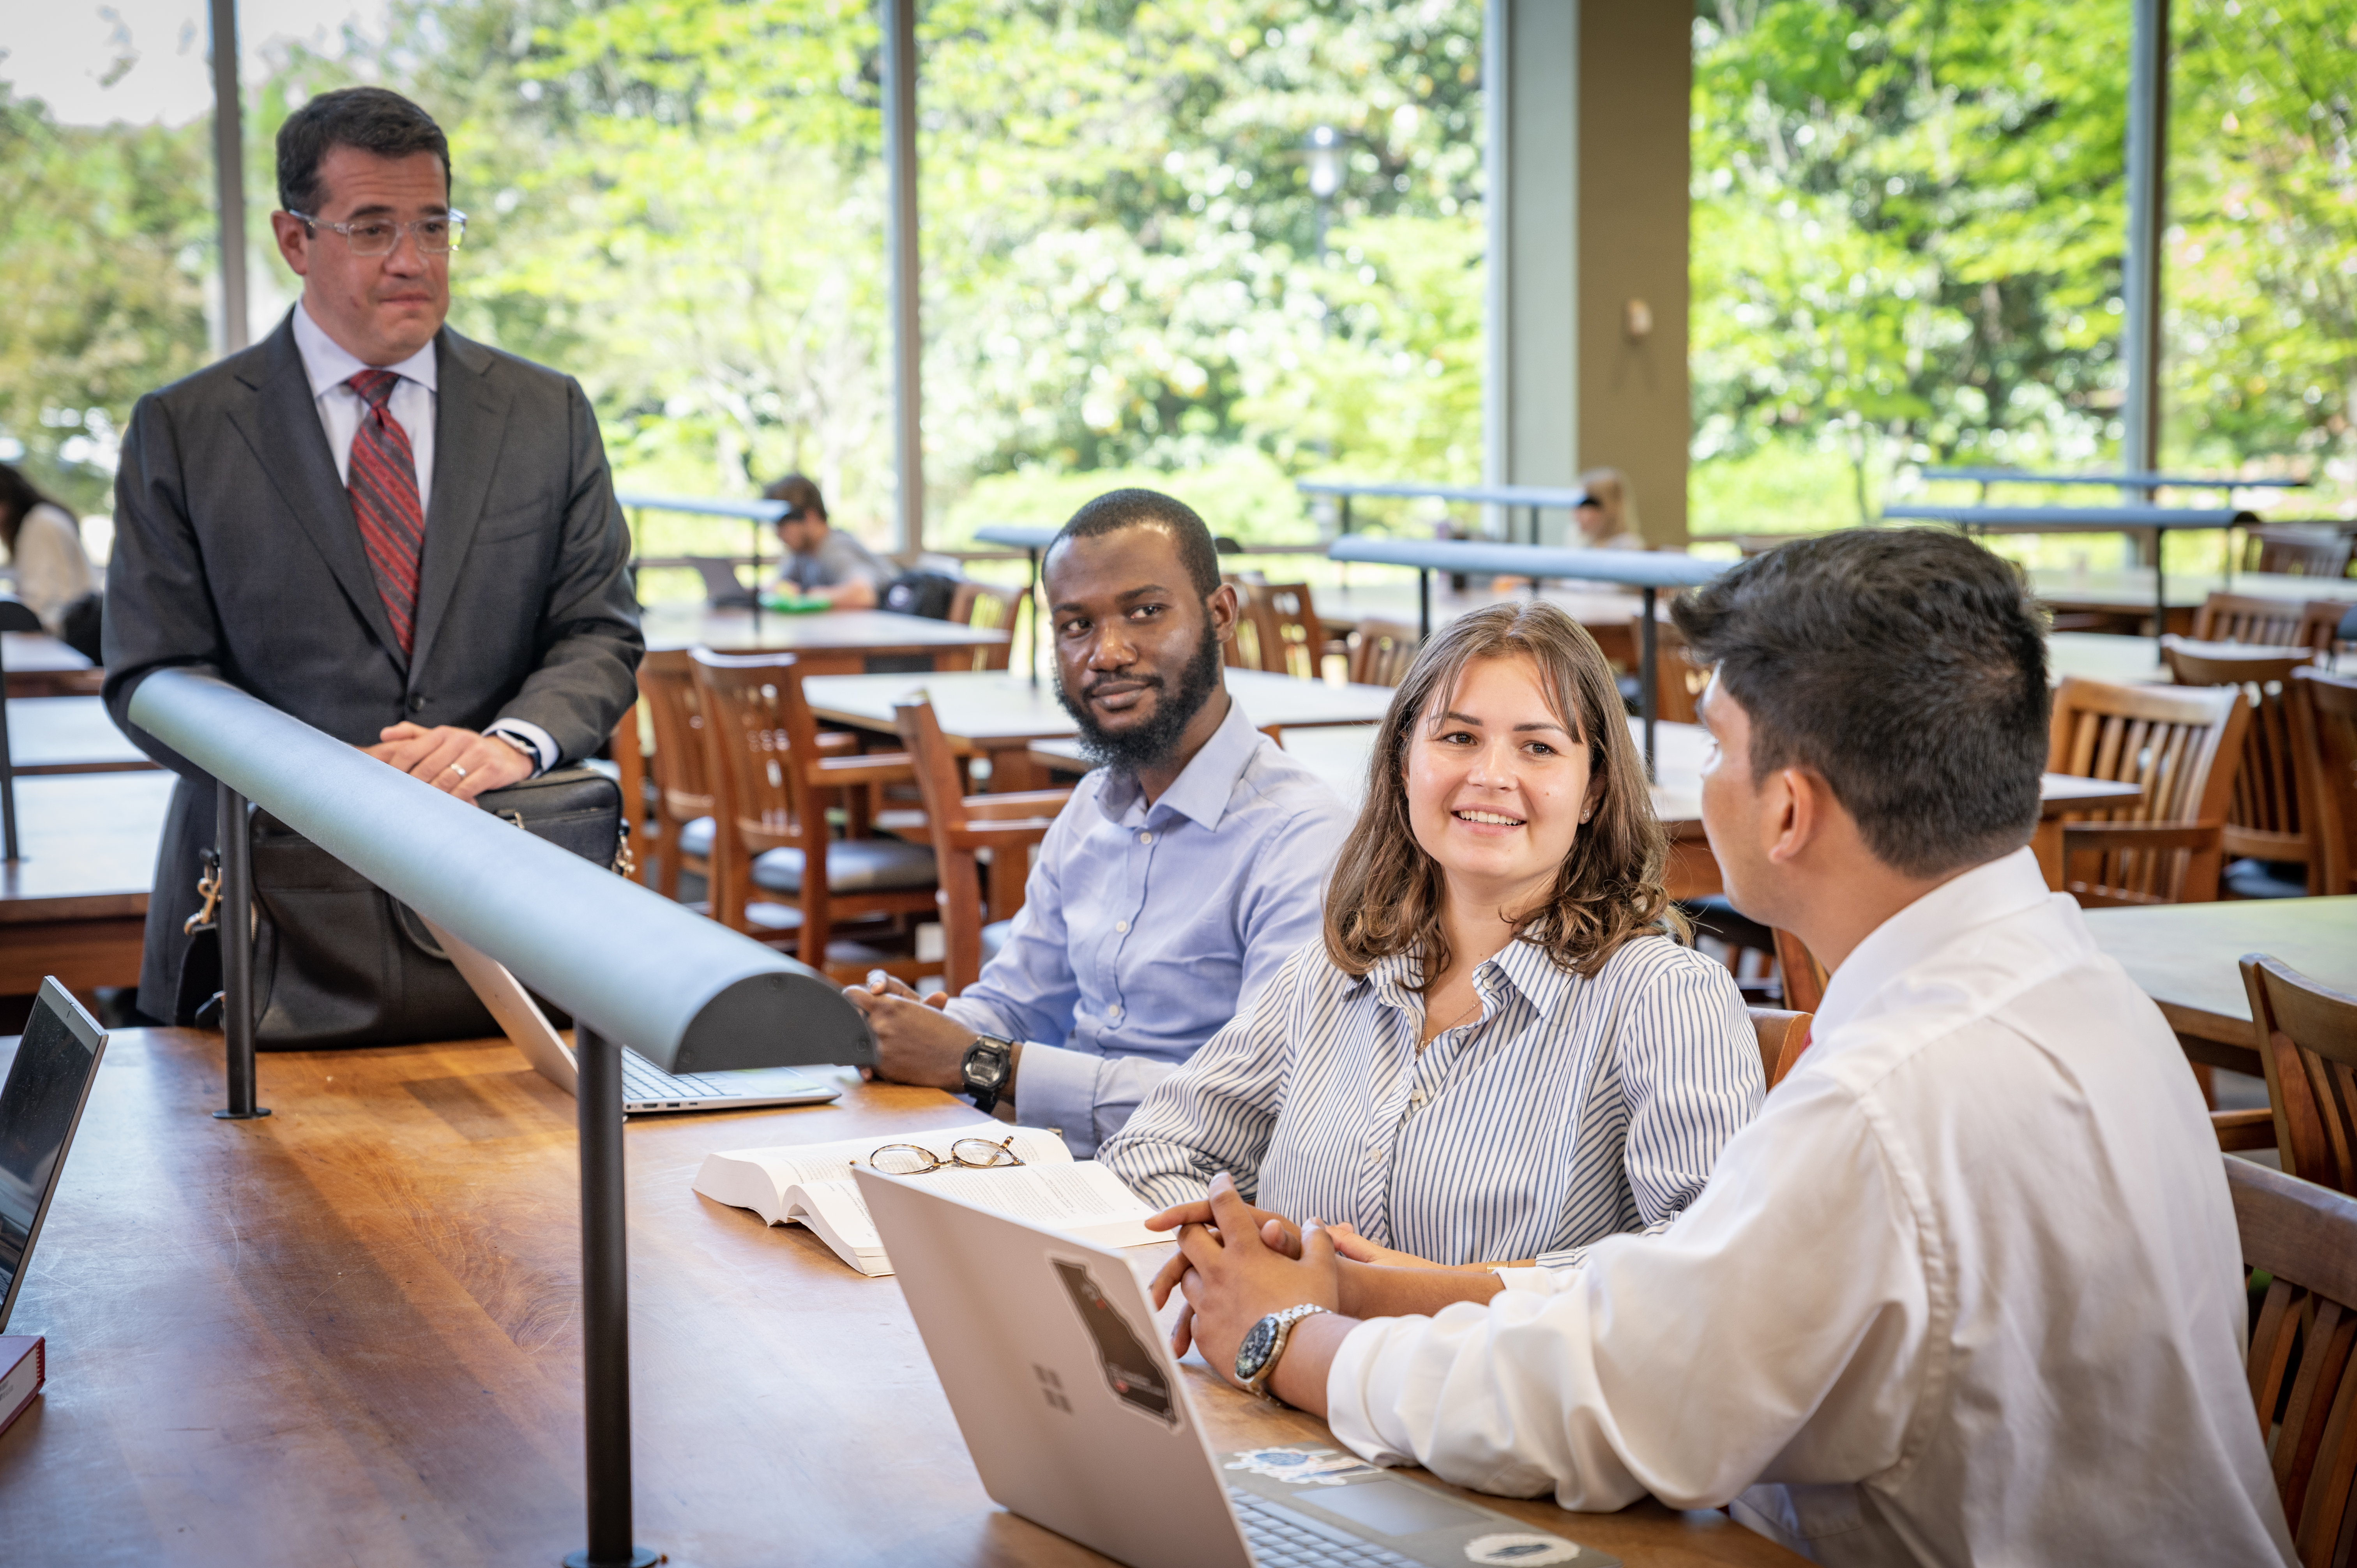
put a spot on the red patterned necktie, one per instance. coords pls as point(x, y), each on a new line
point(383, 485)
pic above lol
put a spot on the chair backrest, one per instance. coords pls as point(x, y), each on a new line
point(2280, 623)
point(2302, 1239)
point(2297, 550)
point(1289, 637)
point(2265, 817)
point(1783, 1037)
point(2179, 744)
point(1798, 971)
point(2168, 739)
point(667, 681)
point(755, 725)
point(2307, 1035)
point(1380, 652)
point(935, 765)
point(986, 608)
point(2323, 715)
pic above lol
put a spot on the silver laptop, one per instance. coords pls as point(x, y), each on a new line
point(645, 1086)
point(1078, 1418)
point(46, 1083)
point(722, 588)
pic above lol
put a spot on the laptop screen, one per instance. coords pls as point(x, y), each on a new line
point(39, 1105)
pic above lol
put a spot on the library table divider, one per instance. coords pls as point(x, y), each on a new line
point(349, 1332)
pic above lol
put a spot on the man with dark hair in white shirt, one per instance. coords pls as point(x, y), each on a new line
point(1969, 1290)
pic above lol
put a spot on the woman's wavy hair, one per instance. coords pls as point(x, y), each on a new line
point(1384, 897)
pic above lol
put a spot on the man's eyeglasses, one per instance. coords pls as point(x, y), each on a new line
point(437, 236)
point(974, 1153)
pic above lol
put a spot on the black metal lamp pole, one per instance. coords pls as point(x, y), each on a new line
point(605, 1305)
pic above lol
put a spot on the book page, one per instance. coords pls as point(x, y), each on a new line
point(1066, 1198)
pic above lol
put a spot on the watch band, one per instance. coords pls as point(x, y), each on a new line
point(1280, 1326)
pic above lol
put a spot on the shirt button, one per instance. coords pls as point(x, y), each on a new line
point(1145, 838)
point(1113, 1012)
point(1121, 927)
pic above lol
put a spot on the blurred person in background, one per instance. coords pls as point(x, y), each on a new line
point(822, 562)
point(1606, 512)
point(54, 575)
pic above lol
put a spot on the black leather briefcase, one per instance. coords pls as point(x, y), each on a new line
point(338, 962)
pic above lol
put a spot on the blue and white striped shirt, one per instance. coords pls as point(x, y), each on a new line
point(1570, 1110)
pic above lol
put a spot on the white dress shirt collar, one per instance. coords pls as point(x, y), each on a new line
point(1994, 890)
point(328, 363)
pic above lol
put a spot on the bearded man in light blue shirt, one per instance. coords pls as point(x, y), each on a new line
point(1180, 876)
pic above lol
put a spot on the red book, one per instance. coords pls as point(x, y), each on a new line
point(23, 1367)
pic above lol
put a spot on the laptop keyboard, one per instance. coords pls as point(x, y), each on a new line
point(1280, 1538)
point(641, 1080)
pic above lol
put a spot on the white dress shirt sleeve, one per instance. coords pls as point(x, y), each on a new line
point(1683, 1364)
point(542, 743)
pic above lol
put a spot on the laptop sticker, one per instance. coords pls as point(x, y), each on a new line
point(1129, 1366)
point(1525, 1551)
point(1303, 1466)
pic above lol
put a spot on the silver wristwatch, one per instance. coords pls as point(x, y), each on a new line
point(1264, 1342)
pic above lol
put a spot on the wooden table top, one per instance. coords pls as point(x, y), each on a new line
point(89, 845)
point(982, 710)
point(39, 665)
point(1339, 755)
point(693, 624)
point(68, 735)
point(2130, 588)
point(348, 1332)
point(2185, 956)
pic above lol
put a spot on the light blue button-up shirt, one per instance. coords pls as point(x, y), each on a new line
point(1145, 930)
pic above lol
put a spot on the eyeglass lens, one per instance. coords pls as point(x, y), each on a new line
point(378, 236)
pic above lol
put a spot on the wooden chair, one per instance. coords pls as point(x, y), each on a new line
point(988, 608)
point(2265, 819)
point(964, 829)
point(2307, 1037)
point(1380, 653)
point(2278, 623)
point(2179, 745)
point(1804, 977)
point(2323, 712)
point(631, 774)
point(1288, 638)
point(2295, 549)
point(772, 785)
point(1783, 1037)
point(683, 837)
point(2301, 1239)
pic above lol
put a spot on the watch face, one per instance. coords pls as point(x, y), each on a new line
point(985, 1066)
point(1258, 1341)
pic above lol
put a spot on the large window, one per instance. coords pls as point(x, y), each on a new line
point(1908, 221)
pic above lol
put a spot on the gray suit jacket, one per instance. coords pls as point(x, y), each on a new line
point(236, 554)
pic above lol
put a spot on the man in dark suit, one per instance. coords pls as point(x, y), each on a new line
point(403, 538)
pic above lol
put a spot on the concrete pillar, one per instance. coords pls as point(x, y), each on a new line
point(1589, 103)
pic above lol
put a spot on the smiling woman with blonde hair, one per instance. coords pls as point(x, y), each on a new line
point(1502, 1050)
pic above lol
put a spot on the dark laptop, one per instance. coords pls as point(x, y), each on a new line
point(41, 1106)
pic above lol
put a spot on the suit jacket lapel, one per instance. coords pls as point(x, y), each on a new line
point(470, 416)
point(281, 425)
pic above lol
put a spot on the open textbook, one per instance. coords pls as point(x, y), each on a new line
point(809, 1184)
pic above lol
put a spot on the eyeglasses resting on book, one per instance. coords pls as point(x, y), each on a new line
point(975, 1154)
